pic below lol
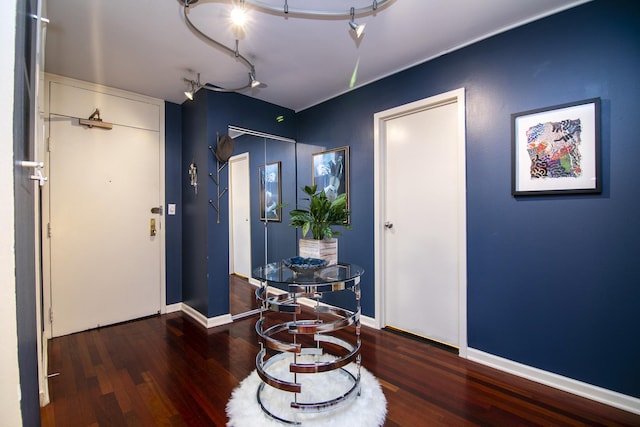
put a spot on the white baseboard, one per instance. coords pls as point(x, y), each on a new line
point(207, 322)
point(369, 322)
point(599, 394)
point(172, 308)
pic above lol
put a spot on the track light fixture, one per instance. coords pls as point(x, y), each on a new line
point(192, 90)
point(252, 77)
point(196, 85)
point(351, 14)
point(357, 28)
point(234, 52)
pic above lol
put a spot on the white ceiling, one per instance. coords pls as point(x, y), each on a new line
point(144, 46)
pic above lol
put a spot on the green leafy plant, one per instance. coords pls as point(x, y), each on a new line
point(321, 215)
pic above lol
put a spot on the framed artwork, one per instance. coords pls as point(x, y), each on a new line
point(556, 150)
point(270, 189)
point(331, 172)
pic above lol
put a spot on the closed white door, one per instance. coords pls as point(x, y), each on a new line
point(105, 242)
point(239, 213)
point(422, 237)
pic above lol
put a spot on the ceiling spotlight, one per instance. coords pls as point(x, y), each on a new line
point(193, 86)
point(191, 91)
point(252, 78)
point(239, 15)
point(357, 28)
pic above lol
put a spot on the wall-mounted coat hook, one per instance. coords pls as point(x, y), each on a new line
point(226, 150)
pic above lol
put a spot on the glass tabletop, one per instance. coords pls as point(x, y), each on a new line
point(277, 272)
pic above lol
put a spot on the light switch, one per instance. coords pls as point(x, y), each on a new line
point(171, 209)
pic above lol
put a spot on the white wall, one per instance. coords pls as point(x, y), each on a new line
point(9, 373)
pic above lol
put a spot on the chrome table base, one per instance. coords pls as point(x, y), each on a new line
point(307, 360)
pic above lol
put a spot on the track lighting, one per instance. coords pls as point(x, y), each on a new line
point(233, 52)
point(195, 85)
point(314, 13)
point(239, 12)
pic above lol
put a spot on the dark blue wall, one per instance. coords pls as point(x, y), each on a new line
point(205, 241)
point(552, 281)
point(173, 194)
point(195, 206)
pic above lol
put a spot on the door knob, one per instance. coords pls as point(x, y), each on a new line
point(388, 225)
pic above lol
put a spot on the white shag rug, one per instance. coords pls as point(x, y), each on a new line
point(367, 410)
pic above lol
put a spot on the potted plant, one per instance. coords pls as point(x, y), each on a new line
point(319, 219)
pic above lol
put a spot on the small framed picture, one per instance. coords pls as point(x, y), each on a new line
point(556, 150)
point(331, 172)
point(270, 189)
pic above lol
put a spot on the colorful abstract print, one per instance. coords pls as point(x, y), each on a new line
point(554, 149)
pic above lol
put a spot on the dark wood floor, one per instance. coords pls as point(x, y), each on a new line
point(167, 370)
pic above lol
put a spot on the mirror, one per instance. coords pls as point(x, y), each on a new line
point(262, 174)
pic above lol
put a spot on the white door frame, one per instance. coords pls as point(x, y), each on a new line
point(49, 78)
point(379, 124)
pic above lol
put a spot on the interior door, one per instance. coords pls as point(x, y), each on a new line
point(105, 242)
point(240, 212)
point(424, 224)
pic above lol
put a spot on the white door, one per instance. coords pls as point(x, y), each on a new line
point(421, 239)
point(239, 214)
point(105, 259)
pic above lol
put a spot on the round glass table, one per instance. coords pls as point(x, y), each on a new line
point(307, 342)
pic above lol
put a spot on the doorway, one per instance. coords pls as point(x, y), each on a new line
point(239, 214)
point(420, 217)
point(103, 232)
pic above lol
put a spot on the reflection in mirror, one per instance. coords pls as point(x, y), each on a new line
point(254, 240)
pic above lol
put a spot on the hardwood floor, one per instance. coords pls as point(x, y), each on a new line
point(167, 370)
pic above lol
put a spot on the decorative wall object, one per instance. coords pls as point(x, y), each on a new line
point(270, 190)
point(556, 150)
point(331, 172)
point(193, 176)
point(222, 152)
